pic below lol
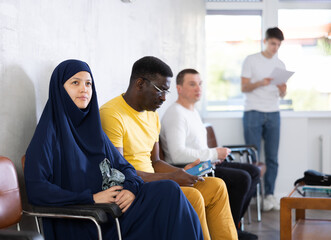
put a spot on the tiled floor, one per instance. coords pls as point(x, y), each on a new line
point(268, 228)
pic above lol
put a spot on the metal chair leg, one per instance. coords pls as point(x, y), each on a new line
point(37, 224)
point(262, 192)
point(250, 160)
point(77, 217)
point(18, 227)
point(118, 229)
point(258, 203)
point(249, 215)
point(259, 187)
point(98, 229)
point(241, 158)
point(242, 225)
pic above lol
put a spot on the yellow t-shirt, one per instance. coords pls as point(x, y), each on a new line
point(135, 132)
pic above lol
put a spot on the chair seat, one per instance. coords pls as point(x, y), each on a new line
point(21, 235)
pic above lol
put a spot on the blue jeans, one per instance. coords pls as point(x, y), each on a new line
point(266, 125)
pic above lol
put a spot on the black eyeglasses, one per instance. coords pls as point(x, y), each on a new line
point(160, 91)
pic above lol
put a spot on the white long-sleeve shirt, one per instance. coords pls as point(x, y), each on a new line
point(184, 137)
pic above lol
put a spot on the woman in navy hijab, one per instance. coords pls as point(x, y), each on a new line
point(63, 167)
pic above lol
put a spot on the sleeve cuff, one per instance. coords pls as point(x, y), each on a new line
point(214, 154)
point(133, 186)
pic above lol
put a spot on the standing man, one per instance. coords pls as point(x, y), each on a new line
point(132, 124)
point(184, 139)
point(261, 116)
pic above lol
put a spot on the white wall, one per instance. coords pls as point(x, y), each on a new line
point(300, 147)
point(36, 35)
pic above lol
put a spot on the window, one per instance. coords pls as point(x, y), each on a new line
point(307, 51)
point(230, 37)
point(233, 33)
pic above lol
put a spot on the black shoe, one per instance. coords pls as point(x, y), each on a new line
point(242, 235)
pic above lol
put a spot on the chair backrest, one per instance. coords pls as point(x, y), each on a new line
point(211, 138)
point(10, 197)
point(23, 162)
point(161, 152)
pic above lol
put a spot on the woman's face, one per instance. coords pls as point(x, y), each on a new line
point(79, 88)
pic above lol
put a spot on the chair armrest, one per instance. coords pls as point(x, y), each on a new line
point(241, 149)
point(248, 146)
point(95, 211)
point(19, 235)
point(110, 208)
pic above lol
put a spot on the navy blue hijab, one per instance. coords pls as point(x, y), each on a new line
point(62, 160)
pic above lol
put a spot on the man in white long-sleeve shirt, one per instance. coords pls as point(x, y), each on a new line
point(184, 139)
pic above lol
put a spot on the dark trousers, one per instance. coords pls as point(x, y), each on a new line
point(241, 180)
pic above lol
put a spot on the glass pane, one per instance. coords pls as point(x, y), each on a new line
point(229, 39)
point(307, 51)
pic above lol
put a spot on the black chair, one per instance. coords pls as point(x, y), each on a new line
point(10, 202)
point(246, 153)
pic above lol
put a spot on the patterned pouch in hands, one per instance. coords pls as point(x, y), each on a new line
point(111, 176)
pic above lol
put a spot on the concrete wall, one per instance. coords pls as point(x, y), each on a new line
point(36, 35)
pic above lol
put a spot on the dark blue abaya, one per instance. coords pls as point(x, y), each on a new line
point(62, 168)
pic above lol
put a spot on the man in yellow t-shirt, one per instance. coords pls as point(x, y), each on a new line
point(133, 126)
